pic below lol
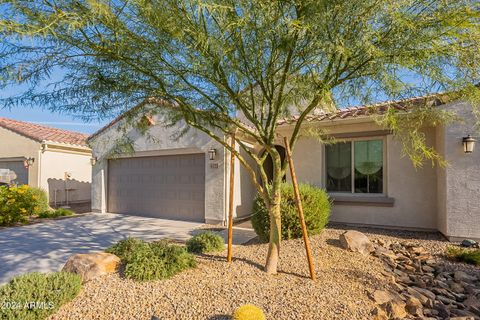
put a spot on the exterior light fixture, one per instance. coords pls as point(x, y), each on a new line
point(93, 161)
point(468, 144)
point(212, 153)
point(28, 162)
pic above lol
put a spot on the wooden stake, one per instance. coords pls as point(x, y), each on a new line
point(298, 202)
point(230, 199)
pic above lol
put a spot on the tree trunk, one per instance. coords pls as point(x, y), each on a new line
point(275, 237)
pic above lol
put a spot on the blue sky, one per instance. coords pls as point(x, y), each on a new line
point(45, 117)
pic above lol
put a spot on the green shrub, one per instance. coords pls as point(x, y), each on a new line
point(316, 209)
point(249, 312)
point(18, 203)
point(146, 261)
point(470, 256)
point(205, 242)
point(34, 296)
point(60, 212)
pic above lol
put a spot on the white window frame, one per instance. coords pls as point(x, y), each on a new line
point(352, 157)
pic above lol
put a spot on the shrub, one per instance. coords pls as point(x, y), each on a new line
point(38, 295)
point(151, 261)
point(60, 212)
point(205, 242)
point(316, 209)
point(470, 256)
point(18, 203)
point(248, 312)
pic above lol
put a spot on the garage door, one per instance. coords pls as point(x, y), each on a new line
point(18, 168)
point(170, 187)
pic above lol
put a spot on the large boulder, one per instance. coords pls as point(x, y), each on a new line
point(92, 265)
point(356, 242)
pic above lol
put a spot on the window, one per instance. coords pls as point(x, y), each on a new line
point(355, 166)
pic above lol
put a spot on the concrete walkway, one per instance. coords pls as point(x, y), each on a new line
point(46, 246)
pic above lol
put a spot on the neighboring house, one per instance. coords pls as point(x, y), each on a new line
point(370, 180)
point(55, 160)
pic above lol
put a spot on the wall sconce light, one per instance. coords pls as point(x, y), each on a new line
point(28, 162)
point(468, 144)
point(93, 161)
point(212, 153)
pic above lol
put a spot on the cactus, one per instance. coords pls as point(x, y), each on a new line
point(248, 312)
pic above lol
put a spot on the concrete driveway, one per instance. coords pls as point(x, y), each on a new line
point(46, 246)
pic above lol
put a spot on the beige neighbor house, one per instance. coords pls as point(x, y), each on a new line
point(370, 180)
point(55, 160)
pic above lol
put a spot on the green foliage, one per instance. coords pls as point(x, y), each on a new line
point(316, 209)
point(205, 242)
point(146, 261)
point(249, 312)
point(414, 143)
point(471, 256)
point(19, 203)
point(60, 212)
point(36, 296)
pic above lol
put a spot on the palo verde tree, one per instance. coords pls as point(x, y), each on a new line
point(204, 61)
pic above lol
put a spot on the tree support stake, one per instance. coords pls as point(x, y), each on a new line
point(298, 202)
point(230, 199)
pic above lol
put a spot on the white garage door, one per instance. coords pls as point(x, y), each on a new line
point(169, 187)
point(19, 170)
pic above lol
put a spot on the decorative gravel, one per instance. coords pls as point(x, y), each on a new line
point(215, 288)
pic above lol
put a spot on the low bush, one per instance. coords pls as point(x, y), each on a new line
point(470, 256)
point(249, 312)
point(19, 203)
point(316, 209)
point(35, 296)
point(60, 212)
point(205, 242)
point(146, 261)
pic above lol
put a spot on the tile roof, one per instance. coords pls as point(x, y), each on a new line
point(39, 133)
point(373, 109)
point(346, 113)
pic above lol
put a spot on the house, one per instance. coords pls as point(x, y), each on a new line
point(370, 180)
point(52, 159)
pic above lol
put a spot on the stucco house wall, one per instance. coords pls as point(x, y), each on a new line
point(51, 159)
point(55, 164)
point(166, 142)
point(14, 145)
point(413, 190)
point(427, 198)
point(459, 214)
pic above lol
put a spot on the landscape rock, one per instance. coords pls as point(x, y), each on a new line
point(382, 296)
point(92, 265)
point(379, 314)
point(395, 309)
point(469, 243)
point(414, 306)
point(356, 242)
point(460, 276)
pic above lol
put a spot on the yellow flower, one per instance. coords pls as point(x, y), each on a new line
point(22, 210)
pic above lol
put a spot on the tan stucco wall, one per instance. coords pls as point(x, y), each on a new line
point(414, 190)
point(14, 145)
point(460, 215)
point(244, 189)
point(164, 143)
point(54, 165)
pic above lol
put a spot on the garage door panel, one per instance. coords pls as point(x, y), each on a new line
point(170, 187)
point(18, 168)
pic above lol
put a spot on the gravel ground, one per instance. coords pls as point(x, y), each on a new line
point(215, 288)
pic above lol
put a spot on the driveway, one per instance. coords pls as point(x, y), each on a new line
point(46, 246)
